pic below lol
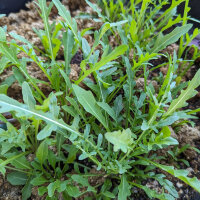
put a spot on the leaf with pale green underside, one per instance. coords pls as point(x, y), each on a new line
point(46, 131)
point(52, 187)
point(68, 42)
point(124, 188)
point(17, 178)
point(42, 152)
point(28, 96)
point(122, 140)
point(87, 100)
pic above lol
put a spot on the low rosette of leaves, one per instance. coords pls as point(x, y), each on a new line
point(93, 135)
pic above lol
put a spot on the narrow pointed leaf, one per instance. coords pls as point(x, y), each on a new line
point(185, 95)
point(124, 188)
point(87, 100)
point(164, 41)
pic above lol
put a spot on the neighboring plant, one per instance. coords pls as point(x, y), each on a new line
point(147, 22)
point(101, 126)
point(176, 152)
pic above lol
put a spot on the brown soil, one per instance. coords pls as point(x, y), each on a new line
point(22, 23)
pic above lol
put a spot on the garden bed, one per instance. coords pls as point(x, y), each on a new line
point(23, 23)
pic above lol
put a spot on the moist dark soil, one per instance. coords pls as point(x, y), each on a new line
point(23, 22)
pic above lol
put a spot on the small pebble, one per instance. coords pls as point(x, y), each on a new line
point(179, 185)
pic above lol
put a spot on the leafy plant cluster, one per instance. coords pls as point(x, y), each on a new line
point(101, 126)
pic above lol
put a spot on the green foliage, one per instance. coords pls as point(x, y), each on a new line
point(103, 126)
point(124, 188)
point(122, 140)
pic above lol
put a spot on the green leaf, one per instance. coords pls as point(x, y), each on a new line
point(2, 35)
point(185, 95)
point(112, 56)
point(70, 110)
point(52, 158)
point(7, 104)
point(118, 105)
point(87, 100)
point(21, 163)
point(45, 15)
point(153, 194)
point(124, 188)
point(161, 140)
point(3, 63)
point(73, 191)
point(108, 109)
point(86, 47)
point(46, 131)
point(17, 178)
point(42, 152)
point(104, 29)
point(42, 190)
point(119, 23)
point(9, 80)
point(80, 179)
point(52, 187)
point(27, 95)
point(20, 38)
point(96, 9)
point(145, 126)
point(72, 151)
point(39, 180)
point(2, 168)
point(3, 163)
point(66, 15)
point(3, 89)
point(180, 174)
point(108, 194)
point(122, 140)
point(27, 190)
point(163, 41)
point(9, 52)
point(68, 41)
point(18, 75)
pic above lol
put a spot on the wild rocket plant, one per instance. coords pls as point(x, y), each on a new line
point(101, 126)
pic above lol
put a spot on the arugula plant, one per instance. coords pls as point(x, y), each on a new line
point(101, 126)
point(146, 25)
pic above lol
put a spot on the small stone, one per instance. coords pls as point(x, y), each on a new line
point(190, 170)
point(180, 192)
point(179, 185)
